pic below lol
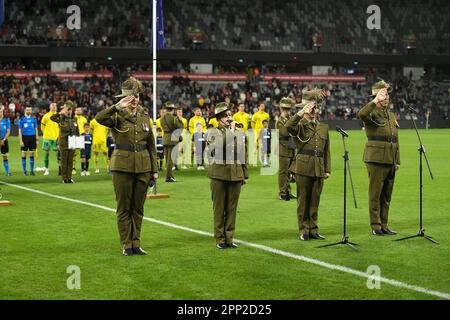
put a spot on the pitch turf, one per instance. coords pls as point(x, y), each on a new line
point(41, 236)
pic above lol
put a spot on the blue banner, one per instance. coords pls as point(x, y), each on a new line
point(160, 40)
point(2, 12)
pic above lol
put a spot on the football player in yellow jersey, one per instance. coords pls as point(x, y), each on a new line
point(50, 131)
point(193, 122)
point(81, 121)
point(213, 122)
point(158, 121)
point(99, 133)
point(257, 124)
point(186, 142)
point(241, 116)
point(197, 118)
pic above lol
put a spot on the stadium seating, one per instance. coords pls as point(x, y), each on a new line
point(288, 25)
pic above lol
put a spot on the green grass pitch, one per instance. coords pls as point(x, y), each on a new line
point(41, 236)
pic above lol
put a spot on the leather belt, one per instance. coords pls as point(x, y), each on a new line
point(131, 147)
point(313, 153)
point(392, 139)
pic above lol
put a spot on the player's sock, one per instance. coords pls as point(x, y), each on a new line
point(6, 165)
point(31, 163)
point(105, 157)
point(86, 165)
point(24, 164)
point(96, 161)
point(46, 160)
point(83, 166)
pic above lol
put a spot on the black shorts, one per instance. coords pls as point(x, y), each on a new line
point(85, 155)
point(5, 147)
point(29, 143)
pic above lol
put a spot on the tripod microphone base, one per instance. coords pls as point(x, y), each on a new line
point(422, 234)
point(343, 241)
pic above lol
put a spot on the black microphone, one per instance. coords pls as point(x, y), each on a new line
point(341, 131)
point(411, 109)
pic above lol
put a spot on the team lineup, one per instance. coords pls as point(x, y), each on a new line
point(134, 154)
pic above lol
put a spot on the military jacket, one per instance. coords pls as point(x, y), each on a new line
point(283, 138)
point(222, 169)
point(381, 130)
point(135, 149)
point(67, 127)
point(169, 124)
point(313, 147)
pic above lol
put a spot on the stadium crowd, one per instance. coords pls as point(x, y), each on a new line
point(94, 93)
point(422, 26)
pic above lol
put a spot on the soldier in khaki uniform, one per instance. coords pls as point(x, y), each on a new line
point(67, 127)
point(170, 123)
point(133, 162)
point(381, 155)
point(286, 150)
point(312, 163)
point(228, 172)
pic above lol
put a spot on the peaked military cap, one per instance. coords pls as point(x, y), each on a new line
point(68, 104)
point(170, 105)
point(220, 108)
point(131, 86)
point(381, 85)
point(287, 103)
point(314, 96)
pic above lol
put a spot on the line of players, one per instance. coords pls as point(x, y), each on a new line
point(96, 140)
point(198, 126)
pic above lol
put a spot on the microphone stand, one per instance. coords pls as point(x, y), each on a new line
point(422, 153)
point(344, 239)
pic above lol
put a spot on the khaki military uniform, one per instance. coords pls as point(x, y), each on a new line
point(227, 177)
point(133, 162)
point(67, 127)
point(311, 163)
point(286, 155)
point(381, 154)
point(169, 124)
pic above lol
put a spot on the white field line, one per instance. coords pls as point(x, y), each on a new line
point(330, 266)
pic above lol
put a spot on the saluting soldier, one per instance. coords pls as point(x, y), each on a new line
point(133, 162)
point(227, 172)
point(67, 127)
point(381, 155)
point(286, 151)
point(312, 163)
point(170, 123)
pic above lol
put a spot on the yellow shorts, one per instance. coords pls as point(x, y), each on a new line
point(100, 148)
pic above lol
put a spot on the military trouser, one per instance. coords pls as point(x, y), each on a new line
point(66, 163)
point(381, 184)
point(169, 160)
point(225, 196)
point(131, 190)
point(284, 177)
point(308, 199)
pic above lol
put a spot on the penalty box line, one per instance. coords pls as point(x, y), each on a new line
point(316, 262)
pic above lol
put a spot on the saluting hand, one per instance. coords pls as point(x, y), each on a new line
point(381, 97)
point(64, 112)
point(127, 102)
